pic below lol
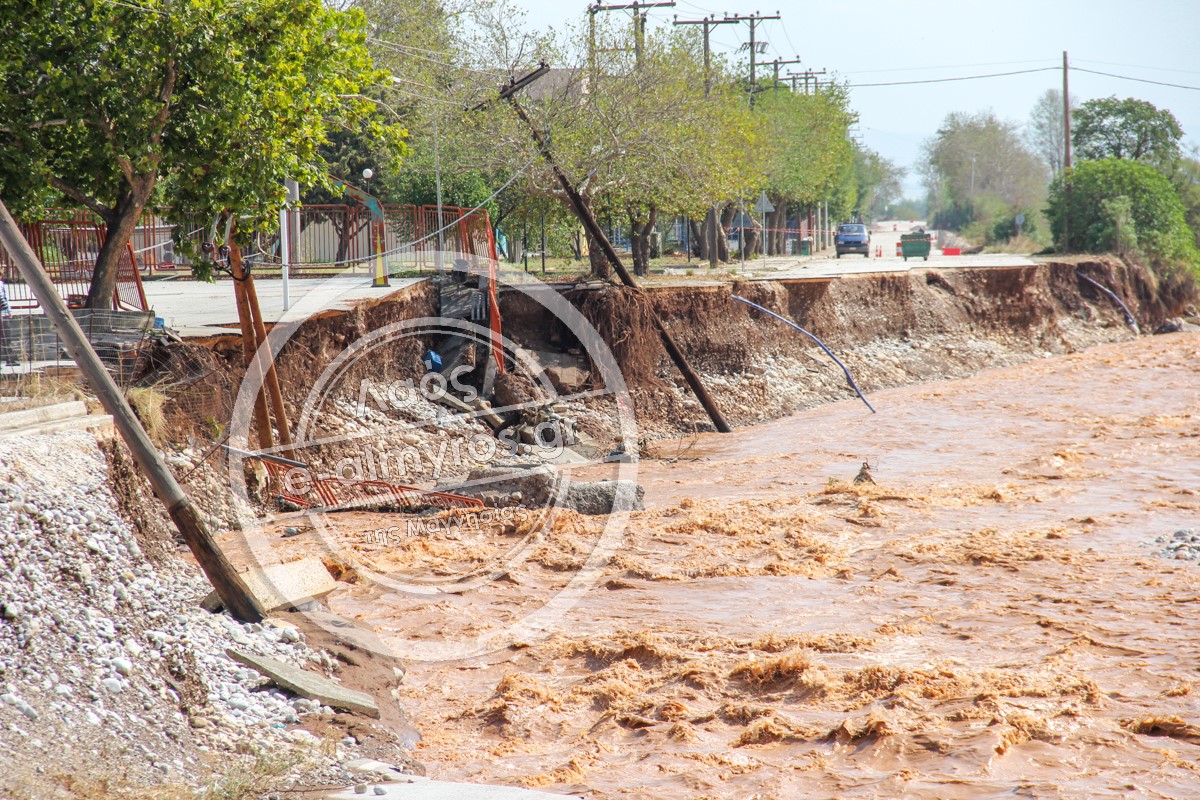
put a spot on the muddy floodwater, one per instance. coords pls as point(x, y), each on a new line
point(991, 618)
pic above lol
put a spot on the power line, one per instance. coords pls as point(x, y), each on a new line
point(1137, 66)
point(950, 66)
point(411, 53)
point(962, 78)
point(1139, 80)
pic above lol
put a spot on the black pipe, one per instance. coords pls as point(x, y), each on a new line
point(1128, 314)
point(849, 377)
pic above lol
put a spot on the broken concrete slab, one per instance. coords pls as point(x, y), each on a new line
point(308, 684)
point(283, 585)
point(598, 497)
point(413, 787)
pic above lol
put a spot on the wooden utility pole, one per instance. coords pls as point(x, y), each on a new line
point(776, 64)
point(259, 329)
point(806, 76)
point(597, 233)
point(754, 19)
point(708, 24)
point(229, 585)
point(639, 25)
point(262, 417)
point(1066, 153)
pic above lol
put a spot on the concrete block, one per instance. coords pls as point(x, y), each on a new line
point(308, 684)
point(284, 585)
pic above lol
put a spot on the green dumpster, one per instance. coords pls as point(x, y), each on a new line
point(916, 245)
point(806, 246)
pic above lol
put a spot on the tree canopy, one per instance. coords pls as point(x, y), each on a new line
point(221, 98)
point(1129, 128)
point(1112, 203)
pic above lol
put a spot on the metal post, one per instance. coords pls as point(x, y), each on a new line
point(543, 241)
point(437, 177)
point(229, 585)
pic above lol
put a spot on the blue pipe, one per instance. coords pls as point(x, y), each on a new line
point(849, 377)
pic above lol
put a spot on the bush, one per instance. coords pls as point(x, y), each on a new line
point(1115, 204)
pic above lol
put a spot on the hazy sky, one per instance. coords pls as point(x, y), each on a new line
point(876, 41)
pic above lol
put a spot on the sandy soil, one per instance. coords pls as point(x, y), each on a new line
point(988, 619)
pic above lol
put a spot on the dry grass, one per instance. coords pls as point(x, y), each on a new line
point(148, 403)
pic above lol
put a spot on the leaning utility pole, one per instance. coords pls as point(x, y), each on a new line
point(229, 585)
point(639, 26)
point(709, 23)
point(597, 233)
point(1066, 153)
point(754, 19)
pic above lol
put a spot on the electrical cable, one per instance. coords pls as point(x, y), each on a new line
point(1134, 66)
point(1139, 80)
point(949, 80)
point(950, 66)
point(403, 247)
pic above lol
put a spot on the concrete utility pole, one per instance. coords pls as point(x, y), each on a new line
point(709, 23)
point(229, 585)
point(597, 233)
point(639, 25)
point(754, 19)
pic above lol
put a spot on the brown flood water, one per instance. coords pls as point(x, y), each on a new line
point(988, 620)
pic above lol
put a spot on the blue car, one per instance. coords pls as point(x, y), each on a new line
point(852, 237)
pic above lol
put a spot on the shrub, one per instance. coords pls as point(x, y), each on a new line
point(1111, 204)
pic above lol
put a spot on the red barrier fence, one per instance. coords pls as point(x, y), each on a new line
point(67, 246)
point(327, 239)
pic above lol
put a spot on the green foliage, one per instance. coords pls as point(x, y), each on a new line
point(1100, 200)
point(878, 183)
point(977, 169)
point(1129, 128)
point(224, 99)
point(808, 153)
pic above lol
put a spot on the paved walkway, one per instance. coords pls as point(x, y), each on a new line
point(194, 308)
point(828, 265)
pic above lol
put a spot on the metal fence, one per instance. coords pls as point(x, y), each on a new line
point(333, 238)
point(67, 245)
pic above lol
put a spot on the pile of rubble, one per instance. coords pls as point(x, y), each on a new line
point(107, 665)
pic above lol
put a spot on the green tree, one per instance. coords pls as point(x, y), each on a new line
point(1129, 128)
point(1103, 200)
point(975, 168)
point(1046, 130)
point(808, 156)
point(878, 183)
point(225, 99)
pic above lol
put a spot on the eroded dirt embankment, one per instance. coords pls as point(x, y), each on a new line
point(890, 329)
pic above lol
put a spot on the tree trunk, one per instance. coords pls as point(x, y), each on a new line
point(727, 216)
point(697, 240)
point(639, 241)
point(599, 262)
point(120, 227)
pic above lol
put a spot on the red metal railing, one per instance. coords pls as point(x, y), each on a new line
point(67, 247)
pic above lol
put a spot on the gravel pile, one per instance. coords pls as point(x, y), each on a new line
point(107, 665)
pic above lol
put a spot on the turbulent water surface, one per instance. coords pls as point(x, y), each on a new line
point(990, 618)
